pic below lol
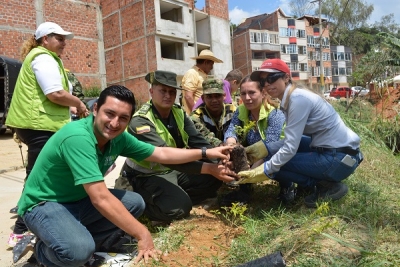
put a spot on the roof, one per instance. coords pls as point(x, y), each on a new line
point(312, 20)
point(255, 21)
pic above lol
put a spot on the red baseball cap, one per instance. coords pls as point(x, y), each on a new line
point(270, 65)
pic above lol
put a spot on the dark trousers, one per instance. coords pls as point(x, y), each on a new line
point(170, 196)
point(35, 141)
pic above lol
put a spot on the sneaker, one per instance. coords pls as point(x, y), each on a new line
point(13, 239)
point(23, 246)
point(326, 190)
point(302, 191)
point(287, 194)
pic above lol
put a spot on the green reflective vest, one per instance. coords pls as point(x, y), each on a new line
point(30, 108)
point(162, 131)
point(262, 122)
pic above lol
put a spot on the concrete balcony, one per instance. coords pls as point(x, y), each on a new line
point(265, 47)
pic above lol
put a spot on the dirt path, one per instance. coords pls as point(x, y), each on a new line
point(10, 153)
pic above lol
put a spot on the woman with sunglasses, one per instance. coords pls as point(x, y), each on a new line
point(318, 150)
point(256, 119)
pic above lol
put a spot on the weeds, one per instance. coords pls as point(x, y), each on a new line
point(233, 215)
point(92, 92)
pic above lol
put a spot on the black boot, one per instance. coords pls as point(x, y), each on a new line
point(287, 194)
point(326, 190)
point(242, 196)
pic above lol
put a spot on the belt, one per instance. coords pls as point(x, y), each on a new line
point(346, 150)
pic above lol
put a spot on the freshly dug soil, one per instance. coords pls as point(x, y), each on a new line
point(239, 159)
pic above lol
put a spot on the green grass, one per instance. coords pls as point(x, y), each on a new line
point(362, 229)
point(92, 91)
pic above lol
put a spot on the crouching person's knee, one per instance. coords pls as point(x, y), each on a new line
point(69, 256)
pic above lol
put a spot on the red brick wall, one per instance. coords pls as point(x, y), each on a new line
point(217, 8)
point(131, 51)
point(17, 22)
point(81, 56)
point(242, 57)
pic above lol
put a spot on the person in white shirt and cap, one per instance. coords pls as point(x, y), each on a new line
point(194, 77)
point(41, 99)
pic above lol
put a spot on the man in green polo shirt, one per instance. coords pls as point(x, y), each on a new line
point(66, 203)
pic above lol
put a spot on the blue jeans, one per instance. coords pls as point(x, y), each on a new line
point(308, 166)
point(69, 233)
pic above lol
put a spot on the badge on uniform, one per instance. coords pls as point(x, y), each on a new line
point(143, 129)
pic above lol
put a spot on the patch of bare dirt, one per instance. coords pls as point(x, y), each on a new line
point(387, 101)
point(206, 241)
point(10, 153)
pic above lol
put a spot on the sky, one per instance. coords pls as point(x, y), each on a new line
point(241, 9)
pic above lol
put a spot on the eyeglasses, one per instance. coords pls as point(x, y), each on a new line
point(271, 78)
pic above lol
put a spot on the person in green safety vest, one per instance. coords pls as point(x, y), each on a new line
point(170, 191)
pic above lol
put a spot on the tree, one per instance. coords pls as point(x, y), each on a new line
point(344, 16)
point(388, 24)
point(377, 64)
point(299, 8)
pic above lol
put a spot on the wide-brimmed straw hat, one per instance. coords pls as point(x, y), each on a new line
point(207, 54)
point(162, 77)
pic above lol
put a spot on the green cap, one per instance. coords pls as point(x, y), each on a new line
point(162, 77)
point(213, 86)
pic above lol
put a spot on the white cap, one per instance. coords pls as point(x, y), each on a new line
point(50, 27)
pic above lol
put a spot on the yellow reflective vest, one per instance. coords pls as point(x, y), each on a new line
point(162, 131)
point(30, 108)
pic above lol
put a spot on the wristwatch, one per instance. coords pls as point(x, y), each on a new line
point(204, 153)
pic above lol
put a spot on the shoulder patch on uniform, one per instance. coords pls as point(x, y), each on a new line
point(144, 109)
point(143, 129)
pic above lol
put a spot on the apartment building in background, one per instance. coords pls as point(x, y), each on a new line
point(342, 65)
point(298, 42)
point(119, 42)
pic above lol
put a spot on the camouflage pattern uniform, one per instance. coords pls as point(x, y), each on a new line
point(77, 89)
point(213, 130)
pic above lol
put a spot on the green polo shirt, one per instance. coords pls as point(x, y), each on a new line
point(70, 159)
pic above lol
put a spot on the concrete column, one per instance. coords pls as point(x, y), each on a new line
point(100, 45)
point(39, 12)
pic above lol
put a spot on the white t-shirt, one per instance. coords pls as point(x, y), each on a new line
point(47, 74)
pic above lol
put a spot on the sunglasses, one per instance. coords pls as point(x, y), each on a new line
point(271, 78)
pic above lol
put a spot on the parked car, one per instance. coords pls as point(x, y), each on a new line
point(340, 91)
point(359, 91)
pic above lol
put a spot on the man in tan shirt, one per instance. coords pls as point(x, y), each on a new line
point(194, 77)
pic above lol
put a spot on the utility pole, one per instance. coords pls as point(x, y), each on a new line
point(320, 49)
point(321, 65)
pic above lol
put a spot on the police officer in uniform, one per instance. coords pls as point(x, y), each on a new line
point(170, 190)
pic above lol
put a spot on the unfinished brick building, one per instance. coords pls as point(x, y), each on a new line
point(119, 41)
